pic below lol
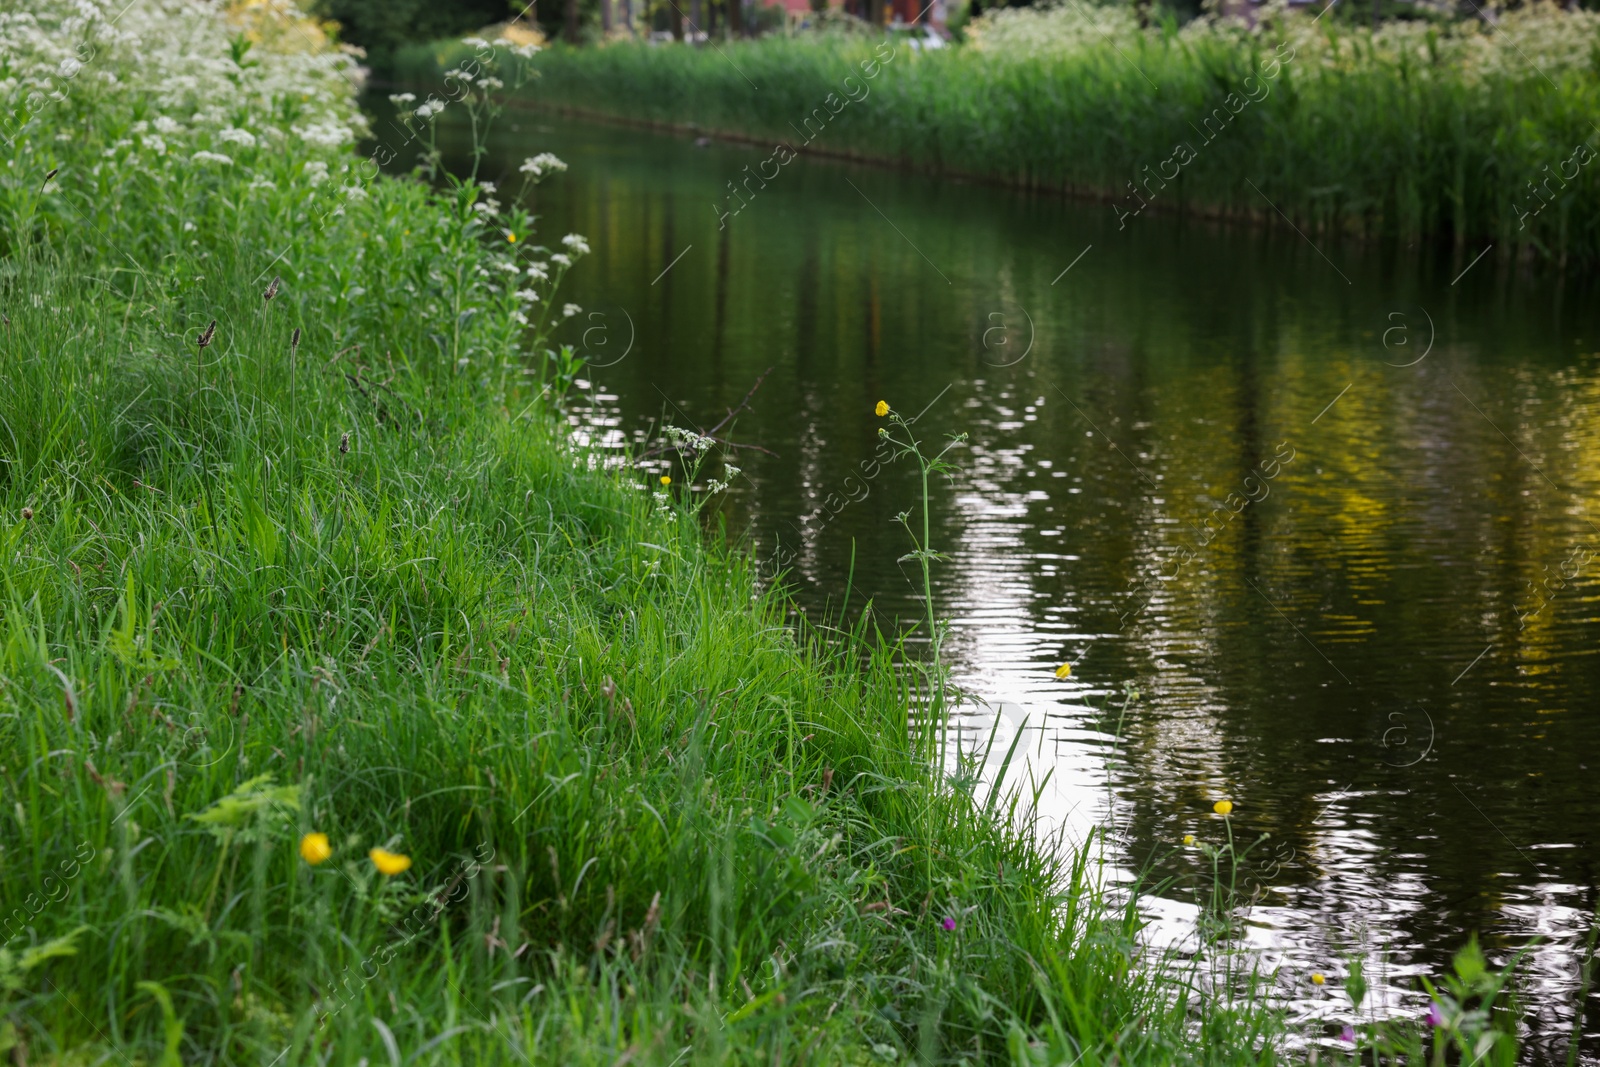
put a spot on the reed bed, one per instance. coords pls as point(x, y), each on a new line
point(1460, 131)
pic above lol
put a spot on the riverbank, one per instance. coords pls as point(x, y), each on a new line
point(351, 716)
point(1452, 131)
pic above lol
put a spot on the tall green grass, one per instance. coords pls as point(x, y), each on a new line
point(337, 571)
point(1464, 132)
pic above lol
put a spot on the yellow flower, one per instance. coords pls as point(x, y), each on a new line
point(511, 237)
point(314, 848)
point(1222, 807)
point(666, 479)
point(1188, 839)
point(882, 409)
point(1317, 979)
point(1064, 671)
point(389, 863)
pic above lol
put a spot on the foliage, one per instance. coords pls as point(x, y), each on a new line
point(382, 27)
point(1471, 132)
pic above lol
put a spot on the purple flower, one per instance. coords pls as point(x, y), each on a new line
point(1435, 1015)
point(1348, 1035)
point(949, 923)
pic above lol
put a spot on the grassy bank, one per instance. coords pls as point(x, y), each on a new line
point(1458, 131)
point(348, 716)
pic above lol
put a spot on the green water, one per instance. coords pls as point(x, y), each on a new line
point(1392, 459)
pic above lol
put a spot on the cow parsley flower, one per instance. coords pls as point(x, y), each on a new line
point(542, 164)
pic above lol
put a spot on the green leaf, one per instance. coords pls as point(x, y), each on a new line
point(1355, 986)
point(1469, 963)
point(257, 796)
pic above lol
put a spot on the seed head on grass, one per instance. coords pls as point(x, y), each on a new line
point(344, 444)
point(272, 289)
point(389, 864)
point(204, 341)
point(294, 338)
point(27, 513)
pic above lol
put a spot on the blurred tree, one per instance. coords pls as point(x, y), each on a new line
point(383, 26)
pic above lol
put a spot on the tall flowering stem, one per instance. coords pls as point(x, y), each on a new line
point(906, 443)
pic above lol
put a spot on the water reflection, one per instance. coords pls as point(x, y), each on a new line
point(1339, 534)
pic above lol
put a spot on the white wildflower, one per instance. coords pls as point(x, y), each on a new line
point(537, 272)
point(402, 99)
point(569, 310)
point(529, 295)
point(576, 244)
point(166, 125)
point(325, 134)
point(237, 136)
point(212, 157)
point(541, 164)
point(316, 172)
point(561, 260)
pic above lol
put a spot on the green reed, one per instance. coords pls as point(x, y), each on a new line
point(1459, 131)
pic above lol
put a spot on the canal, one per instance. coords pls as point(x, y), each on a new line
point(1328, 508)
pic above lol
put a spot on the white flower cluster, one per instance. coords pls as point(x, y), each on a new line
point(540, 165)
point(576, 244)
point(62, 61)
point(687, 440)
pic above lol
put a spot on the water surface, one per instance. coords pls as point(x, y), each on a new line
point(1331, 508)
